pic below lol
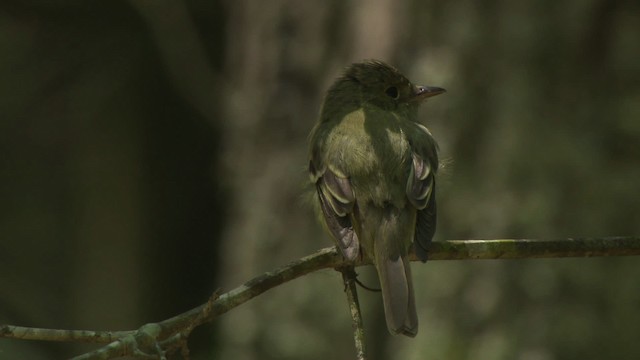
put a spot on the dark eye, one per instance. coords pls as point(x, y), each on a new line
point(392, 92)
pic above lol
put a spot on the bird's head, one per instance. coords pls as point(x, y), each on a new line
point(381, 85)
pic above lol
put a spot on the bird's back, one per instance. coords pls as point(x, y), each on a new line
point(371, 149)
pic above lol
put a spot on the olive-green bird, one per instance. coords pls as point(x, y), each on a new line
point(373, 166)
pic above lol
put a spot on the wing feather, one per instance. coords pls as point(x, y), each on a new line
point(336, 201)
point(421, 187)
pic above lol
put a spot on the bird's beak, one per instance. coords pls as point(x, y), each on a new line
point(423, 92)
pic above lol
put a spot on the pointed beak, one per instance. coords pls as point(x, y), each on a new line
point(423, 92)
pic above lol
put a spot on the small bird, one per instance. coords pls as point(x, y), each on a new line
point(373, 166)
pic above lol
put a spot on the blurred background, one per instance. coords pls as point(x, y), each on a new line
point(154, 151)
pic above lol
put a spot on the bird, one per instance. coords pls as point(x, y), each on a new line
point(373, 166)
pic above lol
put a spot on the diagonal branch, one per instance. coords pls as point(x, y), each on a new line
point(153, 337)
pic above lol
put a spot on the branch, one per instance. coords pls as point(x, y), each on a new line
point(534, 248)
point(154, 339)
point(349, 277)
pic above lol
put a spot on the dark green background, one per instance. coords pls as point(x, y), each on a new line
point(153, 151)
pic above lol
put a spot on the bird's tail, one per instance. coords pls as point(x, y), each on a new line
point(394, 271)
point(397, 295)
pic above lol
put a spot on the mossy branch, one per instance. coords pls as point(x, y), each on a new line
point(155, 339)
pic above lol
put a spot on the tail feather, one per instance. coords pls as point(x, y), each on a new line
point(397, 295)
point(387, 234)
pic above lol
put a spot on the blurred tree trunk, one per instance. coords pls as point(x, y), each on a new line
point(110, 210)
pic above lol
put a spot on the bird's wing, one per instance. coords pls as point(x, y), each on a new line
point(336, 201)
point(421, 191)
point(426, 226)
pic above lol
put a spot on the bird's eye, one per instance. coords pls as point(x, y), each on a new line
point(392, 92)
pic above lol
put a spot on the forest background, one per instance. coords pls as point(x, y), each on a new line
point(154, 151)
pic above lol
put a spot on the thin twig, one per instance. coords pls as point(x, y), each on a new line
point(82, 336)
point(349, 277)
